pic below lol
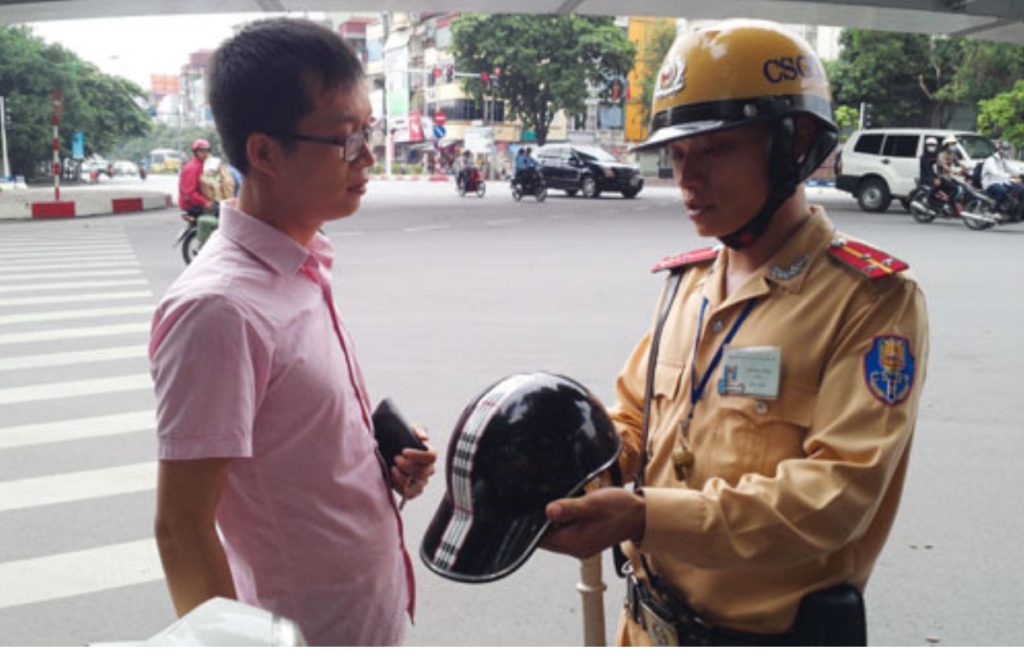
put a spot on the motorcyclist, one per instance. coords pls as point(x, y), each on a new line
point(997, 178)
point(464, 165)
point(949, 168)
point(190, 196)
point(526, 167)
point(928, 173)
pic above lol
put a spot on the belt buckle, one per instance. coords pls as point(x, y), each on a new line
point(661, 631)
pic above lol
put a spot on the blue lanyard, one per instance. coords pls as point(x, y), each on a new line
point(697, 389)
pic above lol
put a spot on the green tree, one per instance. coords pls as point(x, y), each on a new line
point(105, 108)
point(915, 79)
point(847, 118)
point(652, 54)
point(546, 62)
point(882, 68)
point(1003, 115)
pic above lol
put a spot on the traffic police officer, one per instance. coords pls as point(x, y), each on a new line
point(768, 414)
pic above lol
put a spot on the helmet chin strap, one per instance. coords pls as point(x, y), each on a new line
point(783, 170)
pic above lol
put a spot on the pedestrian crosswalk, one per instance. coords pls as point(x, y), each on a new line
point(76, 406)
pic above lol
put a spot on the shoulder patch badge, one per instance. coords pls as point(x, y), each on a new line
point(689, 257)
point(889, 369)
point(869, 261)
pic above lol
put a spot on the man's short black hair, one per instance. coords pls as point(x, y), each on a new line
point(264, 79)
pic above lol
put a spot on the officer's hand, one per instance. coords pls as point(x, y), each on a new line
point(587, 525)
point(412, 468)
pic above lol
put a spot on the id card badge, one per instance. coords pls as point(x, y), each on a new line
point(751, 371)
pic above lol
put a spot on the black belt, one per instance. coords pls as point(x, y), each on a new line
point(832, 617)
point(673, 624)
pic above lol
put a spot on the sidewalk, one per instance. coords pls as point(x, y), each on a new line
point(76, 201)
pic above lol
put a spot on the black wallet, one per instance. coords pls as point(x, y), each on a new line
point(392, 432)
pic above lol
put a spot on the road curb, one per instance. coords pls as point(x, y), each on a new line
point(85, 205)
point(411, 178)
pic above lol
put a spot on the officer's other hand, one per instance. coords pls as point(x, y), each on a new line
point(587, 525)
point(412, 468)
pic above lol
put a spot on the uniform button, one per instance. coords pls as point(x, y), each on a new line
point(717, 325)
point(760, 407)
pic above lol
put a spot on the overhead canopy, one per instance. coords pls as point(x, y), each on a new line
point(995, 20)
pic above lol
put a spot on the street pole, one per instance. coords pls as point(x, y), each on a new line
point(57, 107)
point(591, 589)
point(3, 135)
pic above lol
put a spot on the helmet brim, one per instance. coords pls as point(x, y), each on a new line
point(492, 547)
point(663, 136)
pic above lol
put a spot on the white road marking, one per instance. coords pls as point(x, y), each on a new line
point(73, 298)
point(502, 222)
point(58, 258)
point(36, 580)
point(76, 486)
point(75, 275)
point(50, 253)
point(428, 227)
point(73, 333)
point(70, 285)
point(108, 263)
point(56, 315)
point(76, 429)
point(72, 357)
point(63, 390)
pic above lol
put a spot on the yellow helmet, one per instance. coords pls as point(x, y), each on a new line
point(735, 72)
point(741, 71)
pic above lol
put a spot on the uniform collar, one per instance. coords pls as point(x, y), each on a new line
point(786, 269)
point(789, 266)
point(271, 246)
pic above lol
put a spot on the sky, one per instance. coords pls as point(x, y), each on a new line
point(137, 47)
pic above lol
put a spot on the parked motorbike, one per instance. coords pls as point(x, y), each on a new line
point(195, 233)
point(967, 204)
point(529, 182)
point(471, 182)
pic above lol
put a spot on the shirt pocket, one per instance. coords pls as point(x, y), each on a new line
point(664, 394)
point(755, 435)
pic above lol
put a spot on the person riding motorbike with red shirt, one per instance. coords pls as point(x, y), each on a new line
point(190, 198)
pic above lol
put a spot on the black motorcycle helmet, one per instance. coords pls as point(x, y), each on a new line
point(529, 439)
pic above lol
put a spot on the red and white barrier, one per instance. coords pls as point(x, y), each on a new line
point(97, 206)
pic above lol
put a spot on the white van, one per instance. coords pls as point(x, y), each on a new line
point(880, 164)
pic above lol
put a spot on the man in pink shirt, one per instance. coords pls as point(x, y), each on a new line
point(264, 423)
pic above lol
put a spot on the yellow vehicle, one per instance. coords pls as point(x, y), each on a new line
point(164, 160)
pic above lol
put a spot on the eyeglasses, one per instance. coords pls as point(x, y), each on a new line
point(350, 146)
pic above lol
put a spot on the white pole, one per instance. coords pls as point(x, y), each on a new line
point(3, 135)
point(56, 159)
point(389, 147)
point(591, 589)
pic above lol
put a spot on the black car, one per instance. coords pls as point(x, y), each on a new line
point(590, 169)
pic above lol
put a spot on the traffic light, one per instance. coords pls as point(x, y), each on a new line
point(8, 122)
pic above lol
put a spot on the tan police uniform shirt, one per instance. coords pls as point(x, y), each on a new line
point(789, 495)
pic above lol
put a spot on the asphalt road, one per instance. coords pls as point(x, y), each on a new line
point(443, 296)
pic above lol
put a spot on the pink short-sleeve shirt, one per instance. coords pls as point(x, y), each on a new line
point(251, 362)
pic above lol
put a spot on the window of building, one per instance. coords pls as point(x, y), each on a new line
point(467, 109)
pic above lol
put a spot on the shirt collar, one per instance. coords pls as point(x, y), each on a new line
point(271, 246)
point(789, 266)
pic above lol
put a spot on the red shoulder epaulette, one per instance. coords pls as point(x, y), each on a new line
point(872, 262)
point(689, 257)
